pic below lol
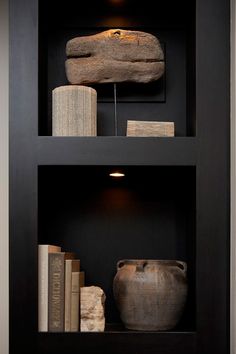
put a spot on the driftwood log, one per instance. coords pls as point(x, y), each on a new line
point(114, 56)
point(74, 111)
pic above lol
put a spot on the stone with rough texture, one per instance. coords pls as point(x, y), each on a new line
point(114, 56)
point(92, 302)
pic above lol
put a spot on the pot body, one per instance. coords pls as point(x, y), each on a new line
point(150, 294)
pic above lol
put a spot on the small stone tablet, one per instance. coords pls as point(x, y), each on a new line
point(145, 128)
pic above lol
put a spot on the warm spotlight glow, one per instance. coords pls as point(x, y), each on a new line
point(116, 2)
point(116, 174)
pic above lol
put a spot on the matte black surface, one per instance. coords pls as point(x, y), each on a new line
point(207, 109)
point(213, 194)
point(23, 176)
point(117, 151)
point(129, 342)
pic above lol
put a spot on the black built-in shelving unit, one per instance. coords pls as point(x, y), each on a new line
point(173, 202)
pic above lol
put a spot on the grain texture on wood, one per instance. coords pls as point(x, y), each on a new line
point(114, 56)
point(144, 128)
point(92, 302)
point(74, 111)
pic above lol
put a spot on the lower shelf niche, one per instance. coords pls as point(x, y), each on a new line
point(149, 213)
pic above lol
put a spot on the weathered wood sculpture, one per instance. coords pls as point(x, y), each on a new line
point(114, 56)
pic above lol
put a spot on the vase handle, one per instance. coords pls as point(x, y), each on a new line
point(120, 264)
point(140, 267)
point(182, 265)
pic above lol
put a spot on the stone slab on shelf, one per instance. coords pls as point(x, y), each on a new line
point(146, 128)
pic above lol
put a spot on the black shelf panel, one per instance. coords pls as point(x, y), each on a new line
point(120, 328)
point(117, 151)
point(116, 342)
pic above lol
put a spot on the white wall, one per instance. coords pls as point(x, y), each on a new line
point(4, 176)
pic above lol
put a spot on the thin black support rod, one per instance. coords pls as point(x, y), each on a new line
point(115, 111)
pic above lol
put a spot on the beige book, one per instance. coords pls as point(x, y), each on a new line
point(71, 265)
point(155, 129)
point(76, 283)
point(43, 251)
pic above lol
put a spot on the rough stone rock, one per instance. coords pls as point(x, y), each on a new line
point(114, 56)
point(92, 302)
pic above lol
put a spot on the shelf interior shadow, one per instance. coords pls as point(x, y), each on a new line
point(150, 213)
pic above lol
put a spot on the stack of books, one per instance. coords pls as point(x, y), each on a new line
point(59, 283)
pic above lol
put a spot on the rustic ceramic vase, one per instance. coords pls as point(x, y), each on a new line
point(150, 294)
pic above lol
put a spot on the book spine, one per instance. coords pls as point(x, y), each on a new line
point(68, 272)
point(76, 284)
point(75, 302)
point(71, 265)
point(43, 251)
point(42, 288)
point(56, 292)
point(81, 285)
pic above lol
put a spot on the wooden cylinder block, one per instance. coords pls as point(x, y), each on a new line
point(74, 111)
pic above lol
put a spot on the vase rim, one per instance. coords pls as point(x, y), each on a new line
point(151, 260)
